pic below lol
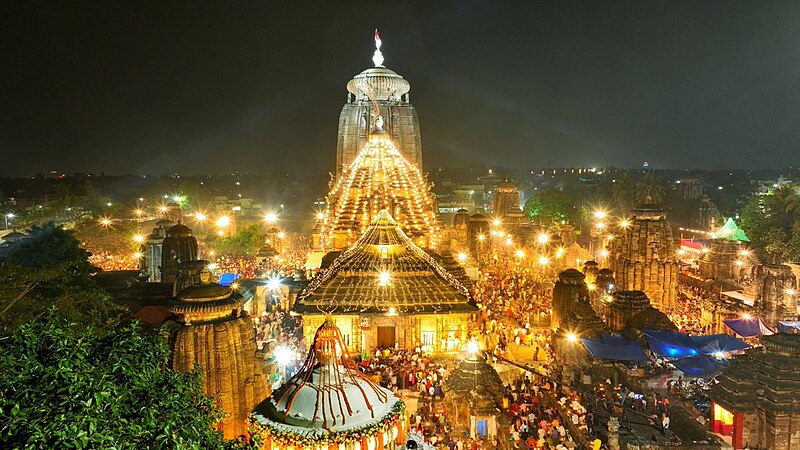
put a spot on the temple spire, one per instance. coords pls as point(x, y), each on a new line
point(377, 57)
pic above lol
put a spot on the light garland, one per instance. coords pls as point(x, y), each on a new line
point(285, 438)
point(418, 283)
point(378, 178)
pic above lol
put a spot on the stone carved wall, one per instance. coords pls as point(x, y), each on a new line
point(211, 331)
point(776, 296)
point(643, 257)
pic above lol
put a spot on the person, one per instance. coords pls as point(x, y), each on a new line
point(665, 425)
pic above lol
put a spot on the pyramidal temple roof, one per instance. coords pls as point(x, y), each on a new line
point(385, 272)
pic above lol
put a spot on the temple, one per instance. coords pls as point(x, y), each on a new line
point(642, 256)
point(210, 332)
point(756, 399)
point(377, 91)
point(386, 292)
point(330, 404)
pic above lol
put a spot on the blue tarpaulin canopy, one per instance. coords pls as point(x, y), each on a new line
point(748, 327)
point(718, 343)
point(608, 346)
point(789, 326)
point(699, 366)
point(670, 344)
point(227, 278)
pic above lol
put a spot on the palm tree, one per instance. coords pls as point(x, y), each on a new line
point(651, 190)
point(784, 200)
point(624, 192)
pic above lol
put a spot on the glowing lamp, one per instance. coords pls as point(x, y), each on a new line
point(234, 286)
point(591, 286)
point(200, 217)
point(746, 316)
point(320, 216)
point(384, 277)
point(392, 312)
point(163, 208)
point(271, 217)
point(543, 238)
point(790, 291)
point(105, 221)
point(624, 224)
point(473, 348)
point(571, 337)
point(740, 263)
point(283, 355)
point(520, 254)
point(496, 222)
point(281, 235)
point(600, 214)
point(274, 283)
point(137, 255)
point(462, 257)
point(138, 238)
point(138, 212)
point(223, 221)
point(543, 260)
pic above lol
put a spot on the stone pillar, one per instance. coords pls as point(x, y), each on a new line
point(613, 433)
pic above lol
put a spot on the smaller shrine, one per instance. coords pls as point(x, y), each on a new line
point(756, 401)
point(210, 331)
point(632, 310)
point(569, 290)
point(330, 404)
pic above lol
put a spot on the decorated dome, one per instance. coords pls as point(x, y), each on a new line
point(330, 402)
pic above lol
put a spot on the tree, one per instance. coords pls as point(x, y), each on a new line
point(624, 193)
point(65, 388)
point(49, 269)
point(552, 207)
point(650, 190)
point(246, 242)
point(772, 222)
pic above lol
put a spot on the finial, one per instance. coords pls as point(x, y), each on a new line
point(377, 57)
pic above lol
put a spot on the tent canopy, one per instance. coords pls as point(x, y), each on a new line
point(731, 232)
point(616, 348)
point(718, 343)
point(699, 366)
point(227, 278)
point(670, 344)
point(752, 327)
point(789, 326)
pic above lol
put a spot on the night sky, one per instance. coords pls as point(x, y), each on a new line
point(200, 88)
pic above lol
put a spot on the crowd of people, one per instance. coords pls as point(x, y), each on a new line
point(512, 304)
point(277, 328)
point(688, 310)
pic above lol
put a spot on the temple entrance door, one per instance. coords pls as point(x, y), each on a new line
point(482, 428)
point(386, 337)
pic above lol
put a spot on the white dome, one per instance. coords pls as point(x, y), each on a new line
point(357, 392)
point(385, 83)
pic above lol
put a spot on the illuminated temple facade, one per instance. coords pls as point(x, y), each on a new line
point(378, 166)
point(385, 291)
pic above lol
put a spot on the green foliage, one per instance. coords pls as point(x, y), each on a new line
point(246, 242)
point(70, 389)
point(772, 222)
point(552, 207)
point(49, 269)
point(48, 246)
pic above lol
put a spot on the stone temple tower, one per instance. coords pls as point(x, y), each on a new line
point(642, 256)
point(385, 89)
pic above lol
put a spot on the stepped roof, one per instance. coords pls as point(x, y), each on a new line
point(385, 272)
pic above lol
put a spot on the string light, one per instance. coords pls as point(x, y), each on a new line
point(379, 178)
